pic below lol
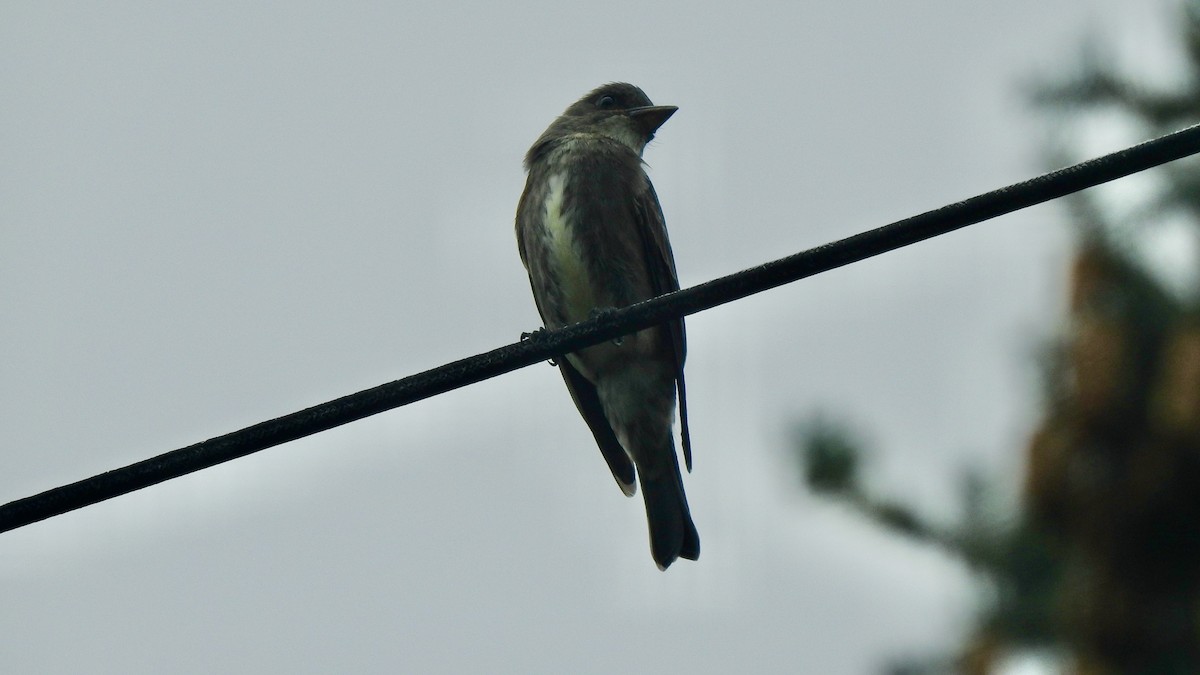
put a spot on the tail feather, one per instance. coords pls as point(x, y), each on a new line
point(672, 533)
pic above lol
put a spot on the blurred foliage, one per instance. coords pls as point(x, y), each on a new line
point(1102, 564)
point(1098, 85)
point(830, 457)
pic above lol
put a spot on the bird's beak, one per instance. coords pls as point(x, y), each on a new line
point(651, 117)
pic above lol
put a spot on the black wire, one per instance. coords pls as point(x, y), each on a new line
point(549, 344)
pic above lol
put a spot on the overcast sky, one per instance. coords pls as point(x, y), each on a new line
point(216, 213)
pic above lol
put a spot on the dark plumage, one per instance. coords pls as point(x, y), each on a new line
point(592, 237)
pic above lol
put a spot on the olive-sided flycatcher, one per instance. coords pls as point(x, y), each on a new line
point(592, 237)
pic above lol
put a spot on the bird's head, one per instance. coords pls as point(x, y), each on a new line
point(618, 110)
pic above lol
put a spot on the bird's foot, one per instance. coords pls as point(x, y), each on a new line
point(602, 312)
point(535, 335)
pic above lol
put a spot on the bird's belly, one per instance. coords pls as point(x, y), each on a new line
point(568, 267)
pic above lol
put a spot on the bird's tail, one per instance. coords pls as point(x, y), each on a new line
point(672, 533)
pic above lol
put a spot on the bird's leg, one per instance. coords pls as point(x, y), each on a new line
point(534, 336)
point(602, 312)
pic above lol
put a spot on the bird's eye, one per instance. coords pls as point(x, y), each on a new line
point(606, 102)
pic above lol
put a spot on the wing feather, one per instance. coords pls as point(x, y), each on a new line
point(661, 263)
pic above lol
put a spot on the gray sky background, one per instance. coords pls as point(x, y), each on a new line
point(216, 213)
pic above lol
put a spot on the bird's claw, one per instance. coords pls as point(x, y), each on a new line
point(598, 312)
point(527, 335)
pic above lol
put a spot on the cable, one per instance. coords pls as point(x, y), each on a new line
point(545, 345)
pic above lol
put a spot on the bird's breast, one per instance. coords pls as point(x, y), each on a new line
point(567, 259)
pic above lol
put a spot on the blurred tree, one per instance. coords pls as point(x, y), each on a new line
point(1102, 565)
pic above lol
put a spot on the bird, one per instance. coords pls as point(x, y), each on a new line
point(592, 237)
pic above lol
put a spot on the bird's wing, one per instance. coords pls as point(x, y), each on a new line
point(587, 401)
point(583, 392)
point(661, 263)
